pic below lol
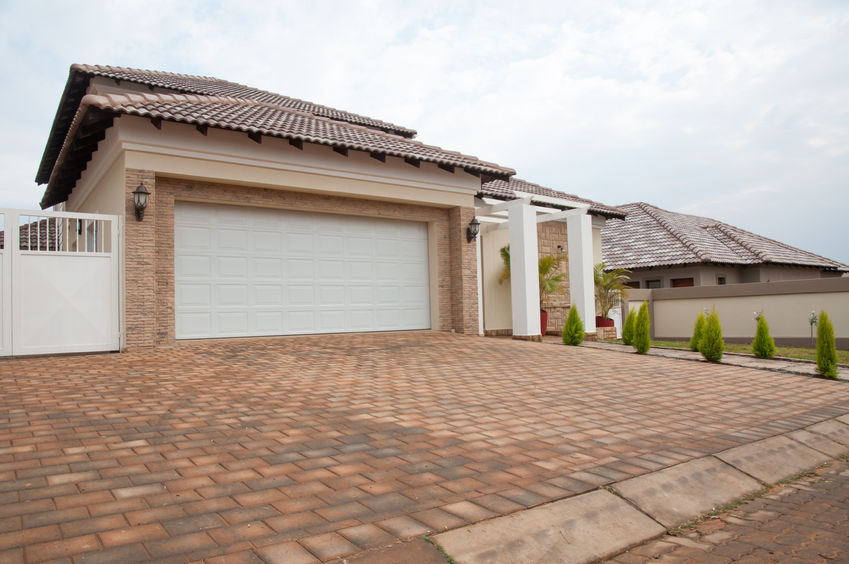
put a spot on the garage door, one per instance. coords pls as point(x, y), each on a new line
point(251, 271)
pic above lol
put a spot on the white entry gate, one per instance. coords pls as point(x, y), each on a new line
point(59, 282)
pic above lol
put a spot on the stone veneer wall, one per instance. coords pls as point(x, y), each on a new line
point(549, 235)
point(149, 249)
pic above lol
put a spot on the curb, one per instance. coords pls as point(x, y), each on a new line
point(621, 515)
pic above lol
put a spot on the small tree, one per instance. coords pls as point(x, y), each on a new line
point(711, 345)
point(764, 345)
point(698, 329)
point(628, 328)
point(642, 330)
point(573, 329)
point(610, 288)
point(826, 347)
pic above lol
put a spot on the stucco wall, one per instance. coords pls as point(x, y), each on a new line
point(786, 306)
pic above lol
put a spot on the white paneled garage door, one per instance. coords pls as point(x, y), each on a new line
point(252, 271)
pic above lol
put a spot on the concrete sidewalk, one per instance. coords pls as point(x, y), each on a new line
point(782, 364)
point(607, 521)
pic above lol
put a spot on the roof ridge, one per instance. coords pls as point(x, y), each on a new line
point(686, 241)
point(88, 69)
point(733, 232)
point(724, 228)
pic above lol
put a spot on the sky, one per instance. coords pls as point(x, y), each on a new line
point(737, 111)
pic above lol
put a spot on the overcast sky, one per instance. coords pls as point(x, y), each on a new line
point(733, 110)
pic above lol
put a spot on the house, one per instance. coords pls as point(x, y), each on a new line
point(269, 215)
point(664, 249)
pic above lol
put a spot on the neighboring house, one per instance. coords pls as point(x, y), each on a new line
point(269, 215)
point(665, 249)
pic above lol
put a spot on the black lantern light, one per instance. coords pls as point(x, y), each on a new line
point(140, 196)
point(473, 229)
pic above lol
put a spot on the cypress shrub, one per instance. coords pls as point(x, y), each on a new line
point(711, 345)
point(573, 329)
point(763, 346)
point(826, 347)
point(642, 330)
point(698, 329)
point(628, 328)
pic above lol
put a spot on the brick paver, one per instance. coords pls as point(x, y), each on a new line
point(806, 521)
point(311, 448)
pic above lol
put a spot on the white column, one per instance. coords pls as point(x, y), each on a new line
point(579, 231)
point(524, 269)
point(480, 280)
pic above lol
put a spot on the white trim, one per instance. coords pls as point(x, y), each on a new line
point(480, 283)
point(561, 215)
point(503, 206)
point(551, 200)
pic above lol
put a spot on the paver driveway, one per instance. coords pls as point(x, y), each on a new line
point(310, 448)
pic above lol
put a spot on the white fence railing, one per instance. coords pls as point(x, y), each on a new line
point(60, 286)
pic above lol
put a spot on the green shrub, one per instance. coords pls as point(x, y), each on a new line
point(642, 330)
point(763, 346)
point(573, 329)
point(711, 345)
point(826, 347)
point(698, 329)
point(628, 328)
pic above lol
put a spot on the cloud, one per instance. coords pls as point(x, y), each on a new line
point(687, 105)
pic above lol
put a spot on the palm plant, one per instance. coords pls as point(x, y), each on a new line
point(550, 280)
point(610, 288)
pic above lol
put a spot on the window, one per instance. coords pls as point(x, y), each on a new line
point(682, 282)
point(654, 284)
point(720, 280)
point(635, 284)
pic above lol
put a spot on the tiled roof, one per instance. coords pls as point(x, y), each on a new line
point(651, 236)
point(82, 120)
point(189, 84)
point(80, 77)
point(506, 190)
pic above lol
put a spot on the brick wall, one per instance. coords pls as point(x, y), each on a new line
point(149, 249)
point(139, 258)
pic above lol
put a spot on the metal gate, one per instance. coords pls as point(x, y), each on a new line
point(59, 282)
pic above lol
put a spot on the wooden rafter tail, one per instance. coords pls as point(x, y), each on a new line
point(414, 162)
point(297, 143)
point(379, 156)
point(203, 128)
point(446, 167)
point(341, 150)
point(157, 122)
point(255, 136)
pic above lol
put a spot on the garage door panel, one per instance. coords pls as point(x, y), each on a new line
point(269, 323)
point(199, 238)
point(300, 243)
point(249, 271)
point(300, 295)
point(232, 323)
point(231, 267)
point(194, 294)
point(268, 241)
point(268, 295)
point(267, 268)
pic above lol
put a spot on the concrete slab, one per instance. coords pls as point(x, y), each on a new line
point(677, 494)
point(771, 460)
point(579, 529)
point(833, 429)
point(819, 442)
